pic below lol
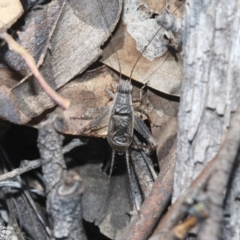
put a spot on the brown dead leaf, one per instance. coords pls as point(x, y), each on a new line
point(10, 11)
point(8, 77)
point(163, 115)
point(138, 27)
point(8, 106)
point(75, 44)
point(14, 46)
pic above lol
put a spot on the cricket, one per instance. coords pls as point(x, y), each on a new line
point(121, 120)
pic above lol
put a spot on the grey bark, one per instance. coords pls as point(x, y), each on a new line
point(64, 189)
point(4, 232)
point(210, 94)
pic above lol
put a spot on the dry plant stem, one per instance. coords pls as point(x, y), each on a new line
point(178, 232)
point(182, 229)
point(214, 177)
point(153, 207)
point(64, 189)
point(27, 166)
point(14, 46)
point(12, 216)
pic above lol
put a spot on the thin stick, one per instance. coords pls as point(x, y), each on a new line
point(14, 46)
point(27, 166)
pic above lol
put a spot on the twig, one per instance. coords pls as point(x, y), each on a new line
point(153, 207)
point(177, 211)
point(26, 165)
point(13, 45)
point(12, 184)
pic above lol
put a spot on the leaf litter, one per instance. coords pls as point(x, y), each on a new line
point(156, 67)
point(88, 92)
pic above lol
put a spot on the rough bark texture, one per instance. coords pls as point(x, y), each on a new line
point(64, 189)
point(210, 93)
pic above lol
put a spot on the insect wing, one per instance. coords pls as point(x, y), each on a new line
point(120, 131)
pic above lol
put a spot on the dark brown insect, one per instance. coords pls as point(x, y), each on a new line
point(121, 121)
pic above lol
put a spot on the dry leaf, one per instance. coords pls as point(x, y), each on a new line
point(10, 11)
point(162, 71)
point(163, 115)
point(75, 44)
point(8, 108)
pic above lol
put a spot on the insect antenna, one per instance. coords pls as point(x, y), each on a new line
point(136, 195)
point(108, 181)
point(111, 35)
point(141, 54)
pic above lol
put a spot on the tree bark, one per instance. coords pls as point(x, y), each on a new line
point(210, 94)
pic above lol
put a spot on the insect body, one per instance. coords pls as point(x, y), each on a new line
point(121, 120)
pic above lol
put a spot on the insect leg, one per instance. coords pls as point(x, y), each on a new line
point(141, 155)
point(99, 122)
point(141, 127)
point(109, 177)
point(111, 167)
point(142, 112)
point(135, 191)
point(110, 93)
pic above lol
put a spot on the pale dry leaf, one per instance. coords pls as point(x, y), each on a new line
point(157, 67)
point(10, 11)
